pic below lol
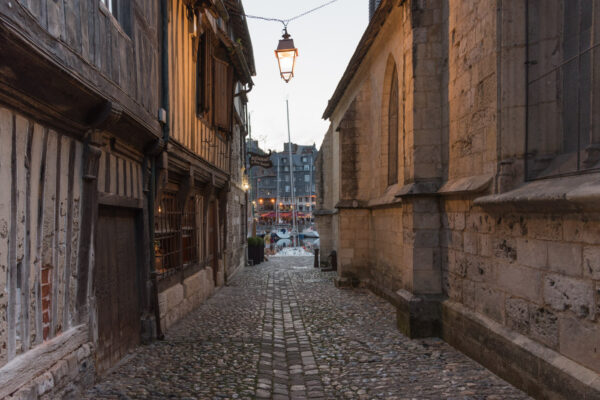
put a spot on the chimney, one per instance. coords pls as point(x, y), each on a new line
point(373, 4)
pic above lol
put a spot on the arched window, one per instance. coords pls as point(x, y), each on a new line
point(393, 131)
point(563, 87)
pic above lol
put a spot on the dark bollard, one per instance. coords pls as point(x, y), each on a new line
point(333, 262)
point(316, 265)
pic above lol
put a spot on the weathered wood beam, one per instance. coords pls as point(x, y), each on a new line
point(28, 366)
point(89, 212)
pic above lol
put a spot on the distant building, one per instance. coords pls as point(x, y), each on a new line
point(264, 182)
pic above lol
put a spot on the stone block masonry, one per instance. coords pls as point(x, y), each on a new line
point(183, 297)
point(466, 244)
point(539, 270)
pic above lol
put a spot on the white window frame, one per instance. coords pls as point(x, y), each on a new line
point(108, 4)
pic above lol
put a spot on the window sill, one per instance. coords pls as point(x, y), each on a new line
point(470, 184)
point(574, 193)
point(389, 199)
point(418, 189)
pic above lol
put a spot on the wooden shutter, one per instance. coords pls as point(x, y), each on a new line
point(222, 94)
point(201, 82)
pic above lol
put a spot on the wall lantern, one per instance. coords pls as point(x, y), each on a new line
point(286, 55)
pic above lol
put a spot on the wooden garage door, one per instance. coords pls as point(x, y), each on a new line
point(116, 286)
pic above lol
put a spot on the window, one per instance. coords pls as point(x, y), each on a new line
point(306, 178)
point(108, 4)
point(190, 232)
point(286, 169)
point(287, 189)
point(121, 10)
point(287, 178)
point(177, 234)
point(304, 159)
point(563, 87)
point(167, 225)
point(307, 167)
point(243, 222)
point(393, 131)
point(223, 96)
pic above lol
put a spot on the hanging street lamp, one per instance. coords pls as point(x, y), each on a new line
point(286, 55)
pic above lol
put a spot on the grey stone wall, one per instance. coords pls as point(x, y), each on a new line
point(463, 222)
point(536, 273)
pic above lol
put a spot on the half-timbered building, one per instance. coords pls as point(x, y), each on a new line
point(199, 240)
point(121, 135)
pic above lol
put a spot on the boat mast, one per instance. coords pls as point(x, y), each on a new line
point(277, 202)
point(287, 106)
point(310, 190)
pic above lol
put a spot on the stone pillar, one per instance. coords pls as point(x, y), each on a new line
point(89, 216)
point(418, 306)
point(426, 142)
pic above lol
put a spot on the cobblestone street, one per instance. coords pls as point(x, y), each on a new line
point(282, 330)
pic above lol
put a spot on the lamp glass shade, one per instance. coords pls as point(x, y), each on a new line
point(286, 55)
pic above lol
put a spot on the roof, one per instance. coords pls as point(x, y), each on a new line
point(384, 10)
point(239, 25)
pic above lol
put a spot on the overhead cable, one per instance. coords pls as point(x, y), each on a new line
point(285, 22)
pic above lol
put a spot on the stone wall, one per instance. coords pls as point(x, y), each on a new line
point(385, 248)
point(466, 248)
point(472, 87)
point(235, 253)
point(535, 273)
point(353, 246)
point(181, 298)
point(325, 203)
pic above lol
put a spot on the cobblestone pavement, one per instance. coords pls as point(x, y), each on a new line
point(281, 330)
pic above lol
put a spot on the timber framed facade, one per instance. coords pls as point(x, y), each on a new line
point(99, 137)
point(209, 74)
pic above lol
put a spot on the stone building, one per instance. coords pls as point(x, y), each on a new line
point(89, 149)
point(273, 187)
point(459, 176)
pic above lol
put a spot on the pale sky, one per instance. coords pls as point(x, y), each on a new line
point(325, 40)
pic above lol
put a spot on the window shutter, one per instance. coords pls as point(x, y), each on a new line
point(201, 81)
point(223, 94)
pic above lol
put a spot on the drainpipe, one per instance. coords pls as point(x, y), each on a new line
point(164, 11)
point(165, 65)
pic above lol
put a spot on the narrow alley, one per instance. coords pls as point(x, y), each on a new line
point(281, 330)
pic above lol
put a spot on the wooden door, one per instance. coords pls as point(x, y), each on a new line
point(116, 285)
